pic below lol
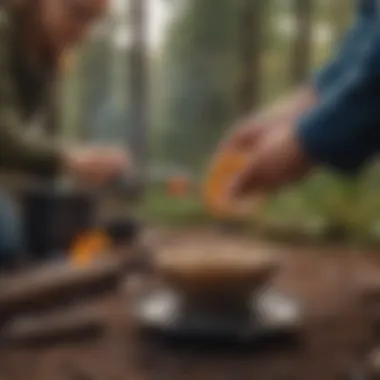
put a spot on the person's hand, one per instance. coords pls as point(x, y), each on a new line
point(96, 165)
point(230, 159)
point(276, 160)
point(246, 133)
point(243, 135)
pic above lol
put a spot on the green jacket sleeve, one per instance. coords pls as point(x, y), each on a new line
point(17, 152)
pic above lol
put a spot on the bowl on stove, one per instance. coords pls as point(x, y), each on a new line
point(222, 274)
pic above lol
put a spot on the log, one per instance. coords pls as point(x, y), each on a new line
point(74, 322)
point(56, 283)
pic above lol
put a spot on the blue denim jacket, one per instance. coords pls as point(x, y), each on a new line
point(343, 130)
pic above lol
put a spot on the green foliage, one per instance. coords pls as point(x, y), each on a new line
point(161, 208)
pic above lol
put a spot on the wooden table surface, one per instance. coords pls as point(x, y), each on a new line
point(336, 330)
point(327, 345)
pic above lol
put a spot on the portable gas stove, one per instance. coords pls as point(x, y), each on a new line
point(219, 298)
point(269, 314)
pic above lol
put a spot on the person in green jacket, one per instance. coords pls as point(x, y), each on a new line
point(34, 34)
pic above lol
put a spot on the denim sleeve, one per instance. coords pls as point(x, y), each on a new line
point(350, 48)
point(343, 130)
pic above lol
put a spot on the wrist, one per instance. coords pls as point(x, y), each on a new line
point(303, 100)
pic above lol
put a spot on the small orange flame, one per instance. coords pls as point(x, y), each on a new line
point(89, 246)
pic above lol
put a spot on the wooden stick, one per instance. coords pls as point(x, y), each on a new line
point(57, 324)
point(53, 282)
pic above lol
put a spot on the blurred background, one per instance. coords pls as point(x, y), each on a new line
point(168, 77)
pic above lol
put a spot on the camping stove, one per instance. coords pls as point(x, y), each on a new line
point(267, 314)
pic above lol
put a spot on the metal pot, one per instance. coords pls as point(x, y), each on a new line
point(53, 217)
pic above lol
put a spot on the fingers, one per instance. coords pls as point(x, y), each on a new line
point(258, 177)
point(243, 136)
point(98, 165)
point(246, 137)
point(263, 168)
point(249, 179)
point(277, 160)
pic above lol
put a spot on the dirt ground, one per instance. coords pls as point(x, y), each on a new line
point(336, 336)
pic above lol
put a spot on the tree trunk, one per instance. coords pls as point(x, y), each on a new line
point(250, 23)
point(302, 50)
point(138, 81)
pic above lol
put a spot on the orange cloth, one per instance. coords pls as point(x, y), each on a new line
point(223, 170)
point(219, 178)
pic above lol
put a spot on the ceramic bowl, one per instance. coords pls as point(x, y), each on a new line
point(221, 272)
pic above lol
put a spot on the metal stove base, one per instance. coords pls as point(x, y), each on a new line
point(252, 337)
point(161, 315)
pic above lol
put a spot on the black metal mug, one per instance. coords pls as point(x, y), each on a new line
point(53, 217)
